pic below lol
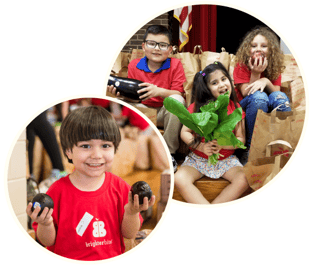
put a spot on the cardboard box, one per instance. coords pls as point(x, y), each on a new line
point(161, 206)
point(165, 183)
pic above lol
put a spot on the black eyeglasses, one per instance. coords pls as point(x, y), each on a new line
point(152, 44)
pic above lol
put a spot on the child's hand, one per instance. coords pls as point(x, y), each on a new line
point(133, 207)
point(111, 89)
point(260, 85)
point(215, 147)
point(211, 148)
point(258, 66)
point(150, 90)
point(44, 219)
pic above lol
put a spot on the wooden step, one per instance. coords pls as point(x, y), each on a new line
point(210, 188)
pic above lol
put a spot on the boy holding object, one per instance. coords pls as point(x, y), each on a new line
point(163, 77)
point(93, 209)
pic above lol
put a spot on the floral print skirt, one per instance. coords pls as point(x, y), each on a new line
point(212, 171)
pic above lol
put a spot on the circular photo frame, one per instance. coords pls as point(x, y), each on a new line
point(36, 162)
point(188, 23)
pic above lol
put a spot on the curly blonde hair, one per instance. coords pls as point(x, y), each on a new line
point(275, 54)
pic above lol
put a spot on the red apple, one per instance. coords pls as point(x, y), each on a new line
point(257, 55)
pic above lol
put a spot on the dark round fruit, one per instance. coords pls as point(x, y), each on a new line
point(42, 200)
point(142, 189)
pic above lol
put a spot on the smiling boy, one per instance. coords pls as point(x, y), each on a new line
point(163, 77)
point(92, 207)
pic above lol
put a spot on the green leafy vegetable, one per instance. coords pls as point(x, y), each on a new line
point(211, 123)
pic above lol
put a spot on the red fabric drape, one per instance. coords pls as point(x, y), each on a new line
point(203, 31)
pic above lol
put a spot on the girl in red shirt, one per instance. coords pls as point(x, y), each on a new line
point(213, 81)
point(257, 76)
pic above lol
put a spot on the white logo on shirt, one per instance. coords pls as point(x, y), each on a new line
point(99, 230)
point(83, 224)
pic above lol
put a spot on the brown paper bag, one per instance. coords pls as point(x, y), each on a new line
point(210, 57)
point(291, 71)
point(295, 90)
point(232, 65)
point(277, 125)
point(262, 170)
point(136, 53)
point(191, 66)
point(298, 96)
point(120, 67)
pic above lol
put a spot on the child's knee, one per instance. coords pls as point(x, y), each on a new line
point(280, 101)
point(259, 100)
point(181, 179)
point(241, 179)
point(178, 98)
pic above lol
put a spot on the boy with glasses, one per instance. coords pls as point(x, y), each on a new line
point(163, 77)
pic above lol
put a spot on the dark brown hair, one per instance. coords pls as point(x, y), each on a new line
point(201, 94)
point(158, 30)
point(87, 123)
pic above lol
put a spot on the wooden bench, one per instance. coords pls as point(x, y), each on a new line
point(210, 188)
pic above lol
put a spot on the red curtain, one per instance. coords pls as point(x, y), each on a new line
point(203, 30)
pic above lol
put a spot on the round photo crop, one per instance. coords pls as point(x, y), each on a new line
point(93, 178)
point(228, 93)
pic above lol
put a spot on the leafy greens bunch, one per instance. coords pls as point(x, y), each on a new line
point(211, 123)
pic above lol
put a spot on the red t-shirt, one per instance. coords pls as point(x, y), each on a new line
point(242, 74)
point(134, 118)
point(75, 101)
point(88, 224)
point(225, 152)
point(170, 76)
point(100, 102)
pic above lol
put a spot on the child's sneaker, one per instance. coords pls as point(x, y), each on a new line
point(55, 175)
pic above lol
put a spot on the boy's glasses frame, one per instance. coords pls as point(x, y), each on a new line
point(161, 45)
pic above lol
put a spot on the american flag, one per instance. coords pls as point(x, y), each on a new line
point(184, 16)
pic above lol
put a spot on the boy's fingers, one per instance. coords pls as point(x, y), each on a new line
point(144, 84)
point(28, 209)
point(34, 214)
point(142, 90)
point(144, 96)
point(152, 201)
point(49, 214)
point(44, 213)
point(145, 204)
point(136, 202)
point(110, 88)
point(129, 196)
point(148, 203)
